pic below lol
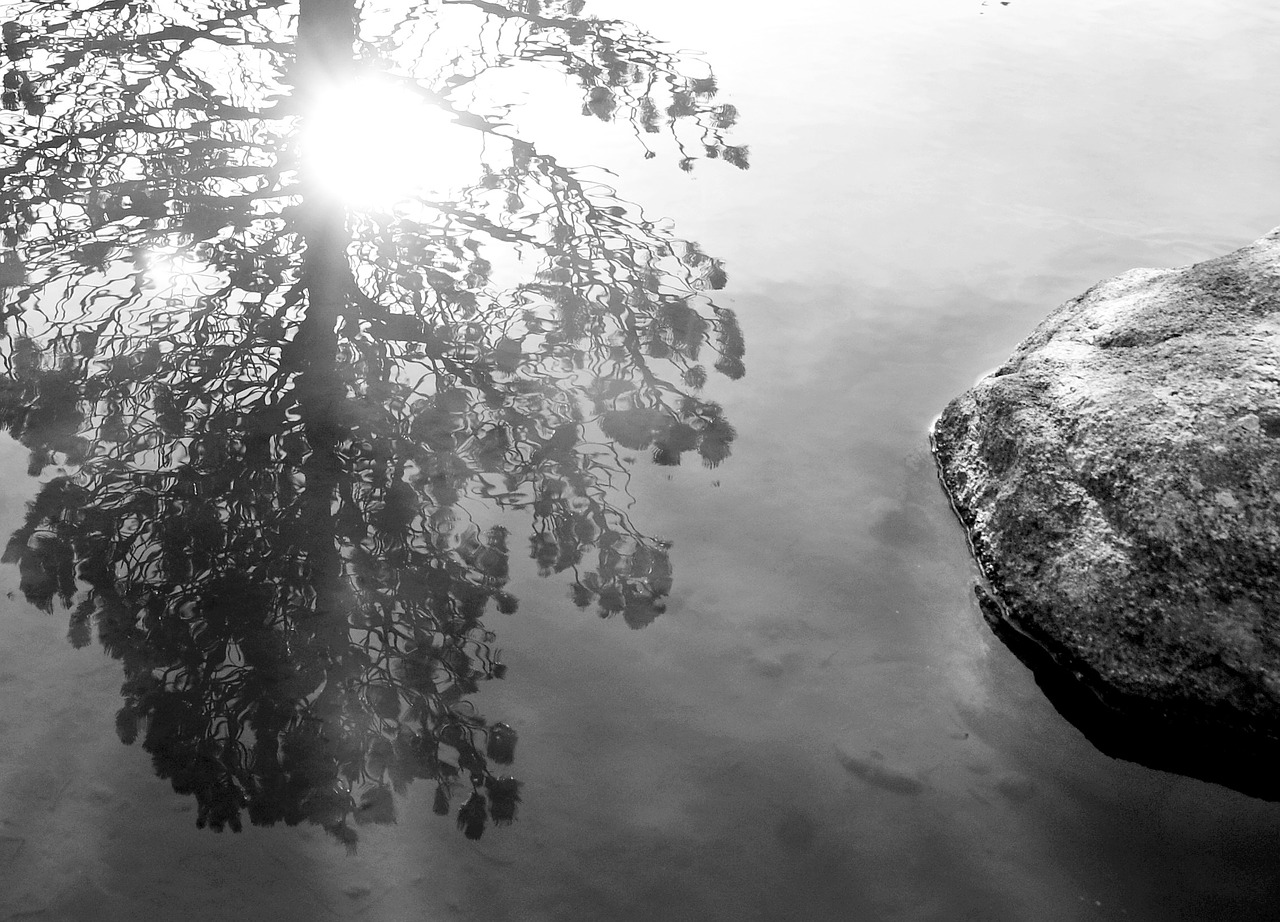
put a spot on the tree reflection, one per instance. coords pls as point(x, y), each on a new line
point(274, 429)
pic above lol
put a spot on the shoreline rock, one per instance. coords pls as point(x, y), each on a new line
point(1119, 479)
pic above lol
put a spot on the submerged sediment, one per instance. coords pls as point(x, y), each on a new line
point(1119, 478)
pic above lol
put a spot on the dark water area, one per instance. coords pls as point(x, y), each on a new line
point(468, 459)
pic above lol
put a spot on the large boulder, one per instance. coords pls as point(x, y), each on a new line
point(1119, 477)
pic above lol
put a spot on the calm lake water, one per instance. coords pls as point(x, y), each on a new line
point(329, 540)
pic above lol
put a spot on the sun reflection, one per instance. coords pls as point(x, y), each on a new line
point(171, 271)
point(373, 142)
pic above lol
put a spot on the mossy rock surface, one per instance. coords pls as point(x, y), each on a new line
point(1119, 477)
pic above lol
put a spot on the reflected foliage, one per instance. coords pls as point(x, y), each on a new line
point(275, 430)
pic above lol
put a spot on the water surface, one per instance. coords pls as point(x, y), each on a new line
point(792, 707)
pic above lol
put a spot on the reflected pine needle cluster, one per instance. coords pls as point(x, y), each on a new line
point(275, 428)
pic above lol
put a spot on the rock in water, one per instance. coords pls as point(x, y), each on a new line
point(1119, 478)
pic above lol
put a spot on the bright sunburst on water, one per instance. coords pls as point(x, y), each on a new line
point(374, 142)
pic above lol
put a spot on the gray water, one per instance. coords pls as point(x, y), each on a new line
point(813, 721)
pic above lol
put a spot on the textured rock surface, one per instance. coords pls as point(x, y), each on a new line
point(1120, 480)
